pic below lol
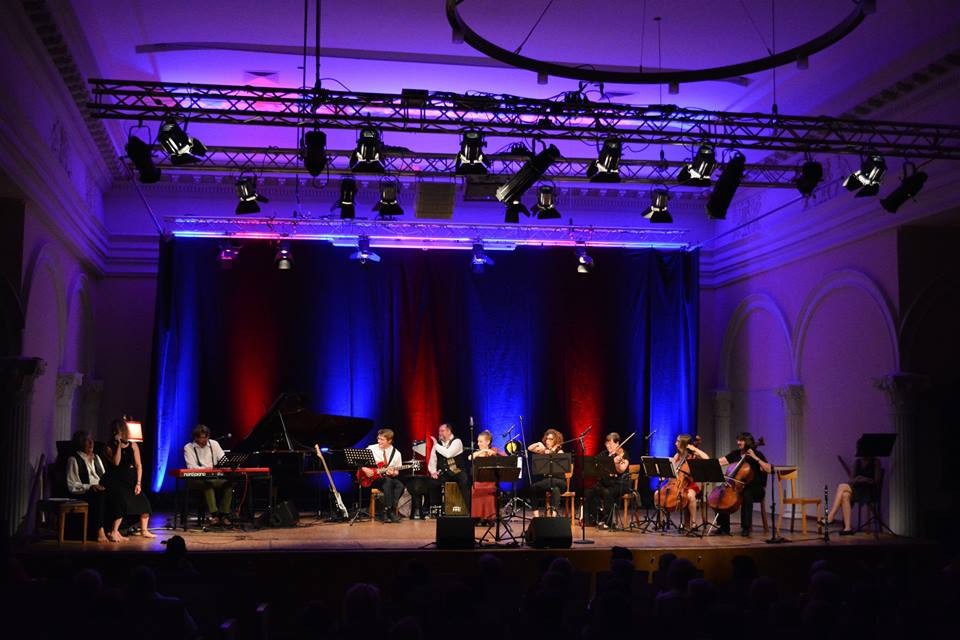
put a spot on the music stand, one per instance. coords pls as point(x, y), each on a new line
point(358, 458)
point(661, 468)
point(551, 465)
point(703, 472)
point(497, 469)
point(876, 445)
point(597, 467)
point(232, 460)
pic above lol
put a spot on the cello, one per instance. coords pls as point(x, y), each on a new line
point(673, 496)
point(728, 497)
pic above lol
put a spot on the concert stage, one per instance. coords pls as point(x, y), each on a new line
point(317, 558)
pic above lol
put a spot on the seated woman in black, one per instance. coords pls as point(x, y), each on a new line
point(862, 489)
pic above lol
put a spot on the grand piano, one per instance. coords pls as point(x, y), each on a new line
point(283, 439)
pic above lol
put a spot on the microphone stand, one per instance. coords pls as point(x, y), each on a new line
point(583, 520)
point(775, 537)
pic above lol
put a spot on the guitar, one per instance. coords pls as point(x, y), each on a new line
point(366, 481)
point(341, 508)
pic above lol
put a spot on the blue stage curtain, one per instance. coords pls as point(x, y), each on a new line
point(419, 339)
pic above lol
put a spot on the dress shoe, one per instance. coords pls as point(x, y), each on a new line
point(720, 532)
point(394, 516)
point(847, 532)
point(745, 533)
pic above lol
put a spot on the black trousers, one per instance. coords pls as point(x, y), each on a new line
point(392, 490)
point(104, 506)
point(555, 486)
point(751, 495)
point(606, 492)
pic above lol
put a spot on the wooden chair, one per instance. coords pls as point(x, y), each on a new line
point(634, 471)
point(373, 503)
point(59, 509)
point(792, 475)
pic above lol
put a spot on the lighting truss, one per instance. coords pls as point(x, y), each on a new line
point(413, 164)
point(512, 116)
point(422, 235)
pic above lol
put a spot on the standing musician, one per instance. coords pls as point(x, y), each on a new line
point(610, 487)
point(754, 491)
point(684, 449)
point(862, 488)
point(388, 460)
point(447, 463)
point(484, 494)
point(204, 453)
point(550, 443)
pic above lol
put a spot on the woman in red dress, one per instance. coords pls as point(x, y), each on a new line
point(484, 495)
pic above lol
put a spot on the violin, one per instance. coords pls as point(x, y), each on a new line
point(728, 497)
point(673, 496)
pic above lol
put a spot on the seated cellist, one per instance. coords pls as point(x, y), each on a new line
point(754, 491)
point(685, 449)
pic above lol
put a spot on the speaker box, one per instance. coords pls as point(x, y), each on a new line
point(285, 514)
point(550, 533)
point(455, 533)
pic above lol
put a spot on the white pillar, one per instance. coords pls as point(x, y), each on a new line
point(91, 394)
point(901, 389)
point(17, 376)
point(794, 398)
point(722, 421)
point(67, 384)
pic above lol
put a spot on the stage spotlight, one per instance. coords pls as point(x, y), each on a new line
point(584, 261)
point(229, 251)
point(722, 194)
point(606, 168)
point(470, 159)
point(181, 148)
point(388, 205)
point(866, 181)
point(366, 158)
point(284, 257)
point(910, 186)
point(313, 150)
point(514, 209)
point(808, 177)
point(347, 201)
point(247, 192)
point(657, 211)
point(480, 259)
point(697, 173)
point(141, 155)
point(546, 208)
point(529, 173)
point(363, 254)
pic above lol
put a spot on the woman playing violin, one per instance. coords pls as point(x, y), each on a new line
point(484, 503)
point(550, 443)
point(754, 491)
point(685, 449)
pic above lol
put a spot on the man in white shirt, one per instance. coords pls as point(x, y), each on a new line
point(85, 470)
point(447, 464)
point(204, 453)
point(388, 461)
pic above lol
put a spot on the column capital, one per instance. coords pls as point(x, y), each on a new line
point(67, 384)
point(793, 396)
point(901, 388)
point(18, 374)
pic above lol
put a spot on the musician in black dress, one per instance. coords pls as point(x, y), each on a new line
point(754, 491)
point(85, 473)
point(125, 475)
point(862, 488)
point(611, 487)
point(204, 453)
point(448, 464)
point(550, 443)
point(385, 475)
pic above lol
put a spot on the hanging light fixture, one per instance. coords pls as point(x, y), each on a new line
point(181, 148)
point(722, 194)
point(389, 206)
point(313, 150)
point(366, 158)
point(249, 197)
point(141, 155)
point(529, 173)
point(808, 177)
point(697, 172)
point(470, 159)
point(910, 185)
point(347, 201)
point(657, 211)
point(284, 256)
point(363, 254)
point(584, 261)
point(866, 181)
point(546, 208)
point(480, 259)
point(606, 168)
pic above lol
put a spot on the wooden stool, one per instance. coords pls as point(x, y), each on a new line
point(61, 508)
point(373, 503)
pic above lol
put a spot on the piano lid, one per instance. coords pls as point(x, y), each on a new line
point(289, 425)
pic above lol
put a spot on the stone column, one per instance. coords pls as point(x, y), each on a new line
point(67, 384)
point(17, 377)
point(793, 398)
point(91, 394)
point(722, 420)
point(900, 480)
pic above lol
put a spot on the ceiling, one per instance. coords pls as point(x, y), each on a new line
point(252, 42)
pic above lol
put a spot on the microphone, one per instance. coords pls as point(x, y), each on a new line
point(589, 429)
point(471, 422)
point(649, 435)
point(508, 431)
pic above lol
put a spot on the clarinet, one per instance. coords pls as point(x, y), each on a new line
point(826, 525)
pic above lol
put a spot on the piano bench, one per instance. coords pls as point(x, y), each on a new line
point(60, 509)
point(373, 503)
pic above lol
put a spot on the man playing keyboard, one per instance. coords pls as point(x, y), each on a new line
point(204, 453)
